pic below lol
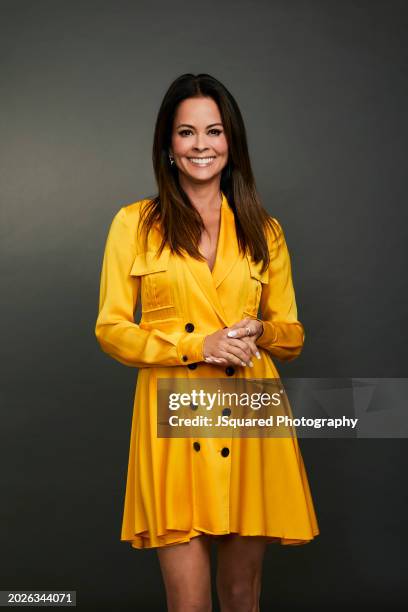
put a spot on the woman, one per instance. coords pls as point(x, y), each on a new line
point(205, 256)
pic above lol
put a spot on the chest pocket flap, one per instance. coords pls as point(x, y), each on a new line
point(255, 271)
point(148, 262)
point(156, 286)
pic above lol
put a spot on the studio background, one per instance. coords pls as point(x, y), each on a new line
point(323, 90)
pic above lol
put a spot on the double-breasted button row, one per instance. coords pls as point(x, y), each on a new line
point(224, 451)
point(191, 366)
point(189, 327)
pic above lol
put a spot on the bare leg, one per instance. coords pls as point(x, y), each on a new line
point(239, 572)
point(187, 575)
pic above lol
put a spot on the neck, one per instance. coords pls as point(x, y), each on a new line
point(205, 198)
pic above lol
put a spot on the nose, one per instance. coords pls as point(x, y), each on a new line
point(199, 142)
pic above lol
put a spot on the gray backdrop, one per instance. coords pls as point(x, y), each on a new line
point(322, 87)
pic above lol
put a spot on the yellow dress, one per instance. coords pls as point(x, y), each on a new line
point(179, 488)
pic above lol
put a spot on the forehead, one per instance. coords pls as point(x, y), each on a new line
point(197, 111)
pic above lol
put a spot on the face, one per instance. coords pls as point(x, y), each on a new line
point(198, 143)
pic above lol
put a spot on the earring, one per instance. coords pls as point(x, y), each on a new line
point(171, 158)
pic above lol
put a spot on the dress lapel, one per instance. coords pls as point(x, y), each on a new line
point(226, 255)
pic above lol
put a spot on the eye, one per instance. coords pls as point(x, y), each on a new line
point(186, 131)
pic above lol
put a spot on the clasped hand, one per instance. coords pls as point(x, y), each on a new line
point(235, 344)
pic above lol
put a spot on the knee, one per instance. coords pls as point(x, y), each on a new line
point(238, 597)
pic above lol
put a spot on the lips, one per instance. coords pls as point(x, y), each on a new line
point(201, 161)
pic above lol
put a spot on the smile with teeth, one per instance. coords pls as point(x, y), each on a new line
point(201, 161)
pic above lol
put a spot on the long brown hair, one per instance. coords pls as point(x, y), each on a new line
point(180, 223)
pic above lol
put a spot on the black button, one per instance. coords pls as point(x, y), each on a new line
point(229, 370)
point(192, 366)
point(189, 327)
point(196, 446)
point(185, 358)
point(225, 451)
point(226, 411)
point(193, 406)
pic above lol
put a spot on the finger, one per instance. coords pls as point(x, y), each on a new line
point(252, 345)
point(232, 358)
point(245, 351)
point(241, 332)
point(239, 324)
point(217, 360)
point(240, 350)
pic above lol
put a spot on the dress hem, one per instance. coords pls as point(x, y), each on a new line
point(171, 537)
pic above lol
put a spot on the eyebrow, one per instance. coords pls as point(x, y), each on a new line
point(192, 126)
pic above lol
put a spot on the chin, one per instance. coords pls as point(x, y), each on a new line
point(203, 173)
point(202, 178)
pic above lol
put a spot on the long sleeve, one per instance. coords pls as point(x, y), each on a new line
point(116, 331)
point(283, 335)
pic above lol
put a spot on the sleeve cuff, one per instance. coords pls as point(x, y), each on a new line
point(269, 334)
point(190, 348)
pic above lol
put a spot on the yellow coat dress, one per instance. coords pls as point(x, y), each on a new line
point(179, 488)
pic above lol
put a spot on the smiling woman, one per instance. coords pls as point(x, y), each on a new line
point(200, 145)
point(204, 256)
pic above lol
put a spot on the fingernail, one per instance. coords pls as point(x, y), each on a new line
point(243, 363)
point(251, 364)
point(258, 354)
point(232, 333)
